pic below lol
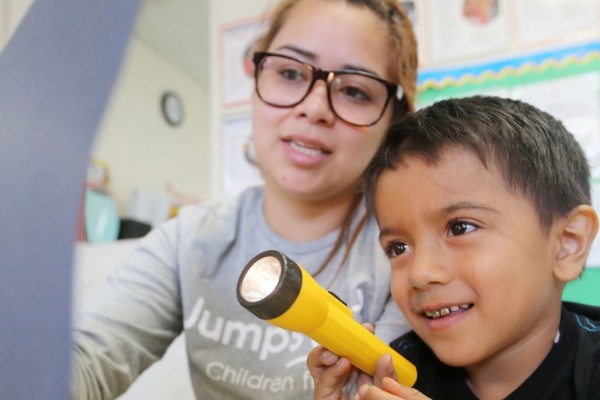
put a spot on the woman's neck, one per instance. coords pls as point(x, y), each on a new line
point(302, 220)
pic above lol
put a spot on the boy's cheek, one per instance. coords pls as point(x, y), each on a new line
point(399, 291)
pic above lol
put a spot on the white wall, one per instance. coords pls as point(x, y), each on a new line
point(11, 14)
point(140, 148)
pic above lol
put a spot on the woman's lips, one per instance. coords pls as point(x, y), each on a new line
point(305, 153)
point(307, 149)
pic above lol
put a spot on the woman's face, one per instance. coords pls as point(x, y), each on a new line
point(306, 151)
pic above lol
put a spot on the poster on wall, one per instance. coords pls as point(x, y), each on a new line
point(459, 29)
point(239, 170)
point(540, 22)
point(236, 72)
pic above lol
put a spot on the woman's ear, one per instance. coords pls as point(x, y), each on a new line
point(576, 235)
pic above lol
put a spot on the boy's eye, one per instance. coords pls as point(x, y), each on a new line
point(395, 249)
point(457, 228)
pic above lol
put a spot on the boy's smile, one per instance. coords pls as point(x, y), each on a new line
point(472, 268)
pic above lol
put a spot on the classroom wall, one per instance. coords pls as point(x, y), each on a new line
point(142, 151)
point(11, 14)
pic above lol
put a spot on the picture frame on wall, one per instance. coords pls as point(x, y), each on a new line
point(239, 169)
point(460, 30)
point(236, 70)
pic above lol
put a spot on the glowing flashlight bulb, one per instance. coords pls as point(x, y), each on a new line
point(261, 279)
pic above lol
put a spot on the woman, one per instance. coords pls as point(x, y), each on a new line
point(314, 132)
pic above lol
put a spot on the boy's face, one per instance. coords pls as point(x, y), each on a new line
point(472, 269)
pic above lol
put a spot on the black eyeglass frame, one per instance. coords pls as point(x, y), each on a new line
point(393, 89)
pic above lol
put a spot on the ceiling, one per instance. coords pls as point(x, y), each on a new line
point(178, 29)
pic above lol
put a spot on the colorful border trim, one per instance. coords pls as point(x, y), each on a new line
point(516, 66)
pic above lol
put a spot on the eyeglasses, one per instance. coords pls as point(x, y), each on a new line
point(356, 97)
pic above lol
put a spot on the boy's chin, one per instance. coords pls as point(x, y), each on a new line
point(451, 354)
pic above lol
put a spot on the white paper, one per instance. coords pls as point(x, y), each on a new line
point(454, 36)
point(555, 20)
point(575, 101)
point(238, 172)
point(236, 83)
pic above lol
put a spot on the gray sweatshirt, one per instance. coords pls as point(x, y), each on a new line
point(183, 276)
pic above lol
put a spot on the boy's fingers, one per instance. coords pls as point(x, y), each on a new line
point(329, 372)
point(330, 384)
point(391, 391)
point(370, 392)
point(364, 379)
point(369, 326)
point(384, 368)
point(404, 392)
point(320, 357)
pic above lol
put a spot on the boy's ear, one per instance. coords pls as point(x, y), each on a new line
point(576, 235)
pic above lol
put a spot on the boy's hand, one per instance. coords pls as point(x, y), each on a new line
point(336, 379)
point(330, 373)
point(390, 390)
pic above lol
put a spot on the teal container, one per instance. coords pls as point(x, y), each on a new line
point(102, 221)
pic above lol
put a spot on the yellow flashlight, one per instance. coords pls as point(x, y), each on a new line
point(276, 289)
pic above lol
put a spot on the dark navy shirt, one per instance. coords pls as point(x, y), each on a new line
point(570, 371)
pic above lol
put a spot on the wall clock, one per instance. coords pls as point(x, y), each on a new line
point(172, 108)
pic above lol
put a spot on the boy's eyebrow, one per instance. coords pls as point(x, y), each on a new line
point(444, 212)
point(464, 205)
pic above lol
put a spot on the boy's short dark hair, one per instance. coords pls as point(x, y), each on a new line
point(532, 150)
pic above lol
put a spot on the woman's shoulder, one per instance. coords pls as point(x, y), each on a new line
point(208, 223)
point(223, 211)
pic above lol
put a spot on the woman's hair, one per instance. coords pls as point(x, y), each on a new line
point(404, 57)
point(533, 152)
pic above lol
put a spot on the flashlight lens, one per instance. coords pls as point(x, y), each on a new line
point(261, 279)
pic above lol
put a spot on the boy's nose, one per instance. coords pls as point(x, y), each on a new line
point(428, 267)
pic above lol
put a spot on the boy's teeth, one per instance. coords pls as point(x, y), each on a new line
point(442, 312)
point(311, 151)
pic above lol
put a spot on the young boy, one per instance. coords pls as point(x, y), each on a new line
point(484, 212)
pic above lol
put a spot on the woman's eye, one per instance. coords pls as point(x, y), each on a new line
point(356, 94)
point(460, 228)
point(291, 74)
point(395, 249)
